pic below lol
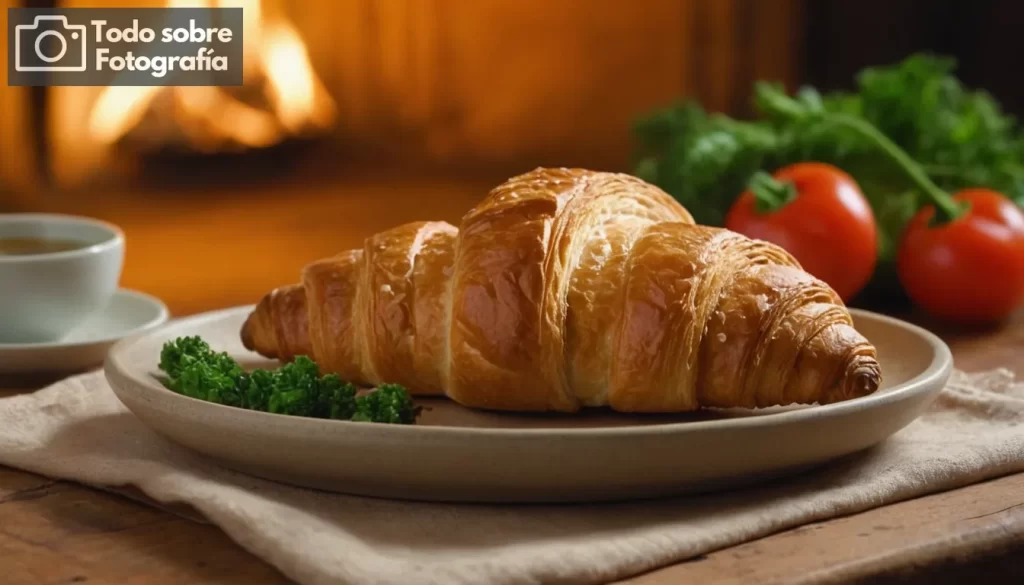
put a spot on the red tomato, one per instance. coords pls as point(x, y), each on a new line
point(970, 270)
point(828, 227)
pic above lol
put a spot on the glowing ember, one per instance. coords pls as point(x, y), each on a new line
point(119, 109)
point(294, 87)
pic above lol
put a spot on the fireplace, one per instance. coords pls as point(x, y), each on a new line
point(89, 136)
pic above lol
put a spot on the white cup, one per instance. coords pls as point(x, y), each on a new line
point(44, 296)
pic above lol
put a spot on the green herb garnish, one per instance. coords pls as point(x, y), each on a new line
point(193, 369)
point(390, 403)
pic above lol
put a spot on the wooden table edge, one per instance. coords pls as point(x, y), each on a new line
point(944, 532)
point(927, 535)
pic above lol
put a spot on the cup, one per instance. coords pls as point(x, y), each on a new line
point(55, 270)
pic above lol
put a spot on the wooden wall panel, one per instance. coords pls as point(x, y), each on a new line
point(491, 80)
point(738, 42)
point(714, 52)
point(538, 81)
point(560, 81)
point(777, 44)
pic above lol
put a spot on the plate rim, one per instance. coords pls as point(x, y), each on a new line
point(938, 370)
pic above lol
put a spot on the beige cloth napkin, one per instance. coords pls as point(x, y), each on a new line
point(78, 430)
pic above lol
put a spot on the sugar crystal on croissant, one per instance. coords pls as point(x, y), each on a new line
point(568, 288)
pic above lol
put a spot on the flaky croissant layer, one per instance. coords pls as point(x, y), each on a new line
point(568, 288)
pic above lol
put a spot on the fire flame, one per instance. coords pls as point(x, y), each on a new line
point(212, 118)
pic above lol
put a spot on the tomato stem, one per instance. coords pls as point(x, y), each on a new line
point(808, 107)
point(946, 208)
point(770, 194)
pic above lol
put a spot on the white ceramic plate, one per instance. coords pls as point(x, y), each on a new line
point(455, 454)
point(128, 313)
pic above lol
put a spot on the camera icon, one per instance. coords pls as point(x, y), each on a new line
point(49, 44)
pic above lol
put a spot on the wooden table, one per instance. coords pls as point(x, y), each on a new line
point(59, 532)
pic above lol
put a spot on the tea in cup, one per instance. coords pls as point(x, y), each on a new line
point(55, 270)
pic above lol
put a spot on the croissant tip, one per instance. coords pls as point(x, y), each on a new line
point(864, 380)
point(248, 341)
point(867, 382)
point(253, 333)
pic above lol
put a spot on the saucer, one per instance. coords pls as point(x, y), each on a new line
point(128, 313)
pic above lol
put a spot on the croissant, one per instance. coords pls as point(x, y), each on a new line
point(569, 288)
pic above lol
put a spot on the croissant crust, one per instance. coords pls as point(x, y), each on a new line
point(569, 288)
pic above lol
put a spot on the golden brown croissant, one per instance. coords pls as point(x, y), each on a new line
point(567, 288)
